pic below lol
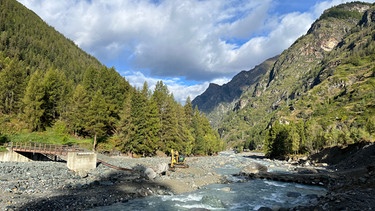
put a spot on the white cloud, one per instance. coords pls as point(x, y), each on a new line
point(180, 90)
point(190, 39)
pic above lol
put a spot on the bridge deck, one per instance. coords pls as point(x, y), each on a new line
point(49, 149)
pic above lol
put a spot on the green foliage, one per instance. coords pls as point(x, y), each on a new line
point(51, 91)
point(282, 140)
point(97, 118)
point(312, 97)
point(341, 12)
point(3, 139)
point(76, 111)
point(33, 101)
point(12, 85)
point(49, 137)
point(152, 122)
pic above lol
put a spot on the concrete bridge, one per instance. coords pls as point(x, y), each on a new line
point(77, 159)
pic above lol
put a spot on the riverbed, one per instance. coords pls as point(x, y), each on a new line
point(236, 193)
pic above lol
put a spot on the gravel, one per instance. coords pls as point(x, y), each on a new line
point(42, 185)
point(52, 186)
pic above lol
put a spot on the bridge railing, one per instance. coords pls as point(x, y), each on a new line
point(43, 148)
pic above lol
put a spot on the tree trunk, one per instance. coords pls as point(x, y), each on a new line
point(94, 145)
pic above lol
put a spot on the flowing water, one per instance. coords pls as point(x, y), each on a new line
point(240, 194)
point(250, 195)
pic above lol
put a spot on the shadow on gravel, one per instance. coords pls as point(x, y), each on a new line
point(116, 187)
point(255, 156)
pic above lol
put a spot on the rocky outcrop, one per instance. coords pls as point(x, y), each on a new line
point(368, 18)
point(216, 95)
point(328, 70)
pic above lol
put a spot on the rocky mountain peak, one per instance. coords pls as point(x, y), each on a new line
point(317, 84)
point(227, 93)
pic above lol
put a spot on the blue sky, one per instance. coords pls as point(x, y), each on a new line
point(186, 43)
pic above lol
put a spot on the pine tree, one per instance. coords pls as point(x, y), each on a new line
point(139, 113)
point(55, 88)
point(189, 111)
point(153, 128)
point(33, 101)
point(184, 131)
point(96, 121)
point(12, 85)
point(76, 111)
point(124, 125)
point(198, 134)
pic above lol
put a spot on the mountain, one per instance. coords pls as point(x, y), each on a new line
point(39, 46)
point(227, 93)
point(319, 92)
point(52, 91)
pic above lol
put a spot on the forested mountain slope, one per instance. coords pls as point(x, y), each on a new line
point(320, 91)
point(48, 84)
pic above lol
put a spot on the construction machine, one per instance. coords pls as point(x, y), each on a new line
point(177, 160)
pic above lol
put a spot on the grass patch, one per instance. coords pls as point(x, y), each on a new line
point(49, 137)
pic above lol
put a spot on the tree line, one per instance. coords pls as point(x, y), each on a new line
point(105, 107)
point(47, 82)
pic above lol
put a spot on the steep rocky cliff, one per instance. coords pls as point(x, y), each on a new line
point(217, 95)
point(320, 90)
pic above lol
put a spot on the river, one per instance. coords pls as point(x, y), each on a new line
point(239, 194)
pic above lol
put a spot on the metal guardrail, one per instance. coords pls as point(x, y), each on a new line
point(42, 148)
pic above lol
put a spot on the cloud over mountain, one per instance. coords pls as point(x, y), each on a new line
point(190, 39)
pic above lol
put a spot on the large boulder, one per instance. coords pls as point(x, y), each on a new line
point(150, 173)
point(161, 168)
point(254, 168)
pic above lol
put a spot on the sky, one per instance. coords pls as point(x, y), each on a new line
point(187, 44)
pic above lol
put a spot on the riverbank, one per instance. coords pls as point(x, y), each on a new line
point(52, 186)
point(352, 170)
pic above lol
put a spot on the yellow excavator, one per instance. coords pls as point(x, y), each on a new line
point(177, 160)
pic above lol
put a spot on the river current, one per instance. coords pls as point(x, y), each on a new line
point(239, 194)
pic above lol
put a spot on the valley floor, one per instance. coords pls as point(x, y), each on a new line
point(52, 186)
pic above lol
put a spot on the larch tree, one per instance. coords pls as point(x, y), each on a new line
point(97, 118)
point(33, 101)
point(12, 85)
point(78, 105)
point(55, 91)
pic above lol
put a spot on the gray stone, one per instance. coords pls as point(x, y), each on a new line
point(307, 171)
point(254, 168)
point(293, 194)
point(161, 168)
point(265, 209)
point(226, 189)
point(106, 183)
point(82, 174)
point(150, 173)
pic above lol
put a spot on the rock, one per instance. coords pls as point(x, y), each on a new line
point(161, 168)
point(150, 173)
point(212, 201)
point(306, 171)
point(254, 168)
point(82, 174)
point(320, 164)
point(265, 209)
point(226, 189)
point(293, 194)
point(311, 196)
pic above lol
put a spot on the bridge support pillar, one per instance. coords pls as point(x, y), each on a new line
point(81, 161)
point(10, 155)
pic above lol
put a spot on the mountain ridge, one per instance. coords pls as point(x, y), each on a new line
point(287, 99)
point(227, 93)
